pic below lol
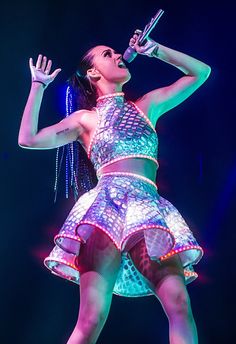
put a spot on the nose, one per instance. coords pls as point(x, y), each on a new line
point(119, 56)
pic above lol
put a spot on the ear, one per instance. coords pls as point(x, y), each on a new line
point(93, 74)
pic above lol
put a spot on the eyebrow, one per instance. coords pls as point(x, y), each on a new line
point(114, 52)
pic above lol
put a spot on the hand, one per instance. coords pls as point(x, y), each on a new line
point(40, 72)
point(147, 49)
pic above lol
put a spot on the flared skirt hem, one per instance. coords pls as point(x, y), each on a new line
point(127, 209)
point(63, 263)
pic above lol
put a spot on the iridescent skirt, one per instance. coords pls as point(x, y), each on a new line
point(128, 208)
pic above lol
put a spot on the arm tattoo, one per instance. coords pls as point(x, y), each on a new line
point(62, 131)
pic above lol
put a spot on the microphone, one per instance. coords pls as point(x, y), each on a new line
point(130, 53)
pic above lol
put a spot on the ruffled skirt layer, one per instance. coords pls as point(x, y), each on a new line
point(127, 208)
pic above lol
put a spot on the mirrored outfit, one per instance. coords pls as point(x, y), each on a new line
point(125, 206)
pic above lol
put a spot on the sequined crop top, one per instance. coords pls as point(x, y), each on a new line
point(123, 131)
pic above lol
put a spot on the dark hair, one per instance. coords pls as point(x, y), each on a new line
point(85, 93)
point(80, 94)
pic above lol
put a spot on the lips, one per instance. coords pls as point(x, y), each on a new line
point(121, 65)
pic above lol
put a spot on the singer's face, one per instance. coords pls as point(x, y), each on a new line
point(110, 65)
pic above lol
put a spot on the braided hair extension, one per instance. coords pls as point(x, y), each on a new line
point(80, 175)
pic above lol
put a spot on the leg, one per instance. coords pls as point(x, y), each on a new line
point(98, 262)
point(167, 282)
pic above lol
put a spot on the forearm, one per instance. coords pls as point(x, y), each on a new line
point(29, 122)
point(187, 64)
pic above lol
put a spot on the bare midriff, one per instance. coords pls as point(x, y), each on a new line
point(144, 167)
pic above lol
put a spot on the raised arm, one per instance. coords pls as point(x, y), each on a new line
point(59, 134)
point(161, 100)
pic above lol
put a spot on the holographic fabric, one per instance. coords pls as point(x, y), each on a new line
point(122, 131)
point(125, 206)
point(127, 209)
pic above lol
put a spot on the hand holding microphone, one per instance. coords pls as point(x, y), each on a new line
point(141, 40)
point(145, 49)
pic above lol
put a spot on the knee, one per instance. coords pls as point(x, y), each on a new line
point(90, 322)
point(178, 304)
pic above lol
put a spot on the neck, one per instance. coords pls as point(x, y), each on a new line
point(114, 97)
point(103, 90)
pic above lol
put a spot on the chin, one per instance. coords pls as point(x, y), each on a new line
point(120, 78)
point(125, 78)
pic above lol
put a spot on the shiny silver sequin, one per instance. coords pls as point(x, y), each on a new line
point(124, 207)
point(122, 131)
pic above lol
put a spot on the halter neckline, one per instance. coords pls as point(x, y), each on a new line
point(111, 95)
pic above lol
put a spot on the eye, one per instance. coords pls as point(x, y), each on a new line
point(107, 53)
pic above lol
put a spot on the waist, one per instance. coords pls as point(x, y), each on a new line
point(145, 168)
point(128, 174)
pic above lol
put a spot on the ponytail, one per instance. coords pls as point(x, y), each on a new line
point(80, 175)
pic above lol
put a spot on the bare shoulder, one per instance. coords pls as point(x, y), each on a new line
point(87, 118)
point(79, 114)
point(83, 118)
point(88, 121)
point(144, 103)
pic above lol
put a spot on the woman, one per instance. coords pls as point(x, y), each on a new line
point(120, 236)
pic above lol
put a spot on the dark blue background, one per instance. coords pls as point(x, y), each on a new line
point(197, 163)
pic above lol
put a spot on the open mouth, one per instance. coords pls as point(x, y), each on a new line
point(121, 65)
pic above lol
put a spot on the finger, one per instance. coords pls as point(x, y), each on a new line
point(49, 66)
point(44, 63)
point(39, 61)
point(31, 64)
point(55, 73)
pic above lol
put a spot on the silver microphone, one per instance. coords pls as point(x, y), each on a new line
point(130, 53)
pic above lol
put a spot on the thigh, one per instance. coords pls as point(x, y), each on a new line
point(155, 272)
point(98, 262)
point(99, 255)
